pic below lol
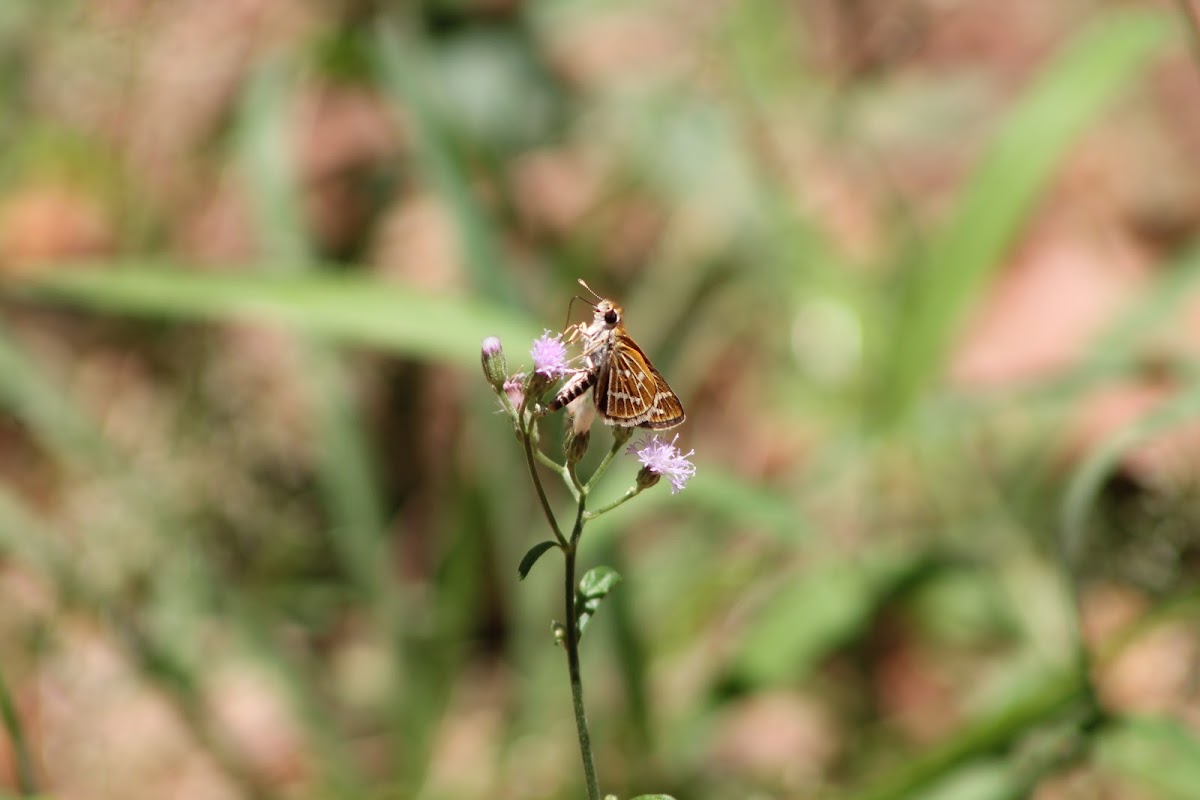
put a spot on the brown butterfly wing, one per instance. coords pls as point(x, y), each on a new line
point(666, 412)
point(630, 391)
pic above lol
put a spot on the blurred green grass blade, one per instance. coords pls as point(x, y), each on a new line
point(348, 309)
point(399, 65)
point(1124, 346)
point(348, 480)
point(44, 408)
point(1080, 82)
point(1118, 345)
point(267, 158)
point(813, 613)
point(1160, 754)
point(299, 679)
point(632, 660)
point(345, 465)
point(1049, 699)
point(732, 497)
point(19, 746)
point(994, 779)
point(26, 539)
point(716, 493)
point(1089, 477)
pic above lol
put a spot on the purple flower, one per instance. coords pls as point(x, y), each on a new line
point(491, 346)
point(549, 356)
point(662, 458)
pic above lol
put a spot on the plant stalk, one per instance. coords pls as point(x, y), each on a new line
point(630, 493)
point(527, 441)
point(571, 640)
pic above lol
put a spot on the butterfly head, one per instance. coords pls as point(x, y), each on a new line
point(607, 314)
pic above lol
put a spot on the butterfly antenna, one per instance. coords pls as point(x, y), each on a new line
point(584, 285)
point(570, 305)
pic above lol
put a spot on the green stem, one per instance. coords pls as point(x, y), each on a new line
point(566, 473)
point(571, 640)
point(570, 550)
point(630, 493)
point(526, 425)
point(549, 462)
point(618, 442)
point(578, 489)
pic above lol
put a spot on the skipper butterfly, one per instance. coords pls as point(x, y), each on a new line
point(626, 388)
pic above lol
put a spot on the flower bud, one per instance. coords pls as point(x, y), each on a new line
point(495, 367)
point(621, 434)
point(575, 445)
point(514, 390)
point(536, 385)
point(646, 478)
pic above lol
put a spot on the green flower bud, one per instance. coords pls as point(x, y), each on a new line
point(536, 386)
point(621, 434)
point(495, 367)
point(646, 478)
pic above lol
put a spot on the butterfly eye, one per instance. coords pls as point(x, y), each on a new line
point(610, 317)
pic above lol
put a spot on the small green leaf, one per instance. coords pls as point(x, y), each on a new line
point(593, 587)
point(598, 582)
point(532, 556)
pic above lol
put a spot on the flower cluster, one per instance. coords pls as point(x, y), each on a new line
point(662, 459)
point(549, 356)
point(659, 458)
point(549, 364)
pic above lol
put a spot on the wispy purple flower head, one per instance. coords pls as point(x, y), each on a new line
point(662, 458)
point(549, 356)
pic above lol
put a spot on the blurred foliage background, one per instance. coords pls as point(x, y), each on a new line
point(922, 271)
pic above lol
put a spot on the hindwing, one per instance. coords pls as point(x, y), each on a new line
point(630, 391)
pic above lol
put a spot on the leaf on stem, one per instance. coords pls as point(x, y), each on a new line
point(593, 588)
point(532, 556)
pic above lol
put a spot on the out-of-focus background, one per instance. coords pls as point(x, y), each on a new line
point(922, 271)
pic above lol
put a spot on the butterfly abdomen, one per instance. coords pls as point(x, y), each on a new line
point(579, 383)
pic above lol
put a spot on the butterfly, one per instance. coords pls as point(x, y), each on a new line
point(628, 390)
